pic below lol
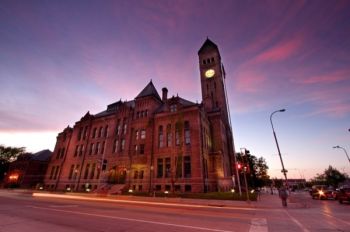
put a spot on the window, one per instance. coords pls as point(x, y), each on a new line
point(122, 145)
point(136, 134)
point(115, 146)
point(135, 149)
point(187, 133)
point(142, 149)
point(56, 172)
point(212, 59)
point(124, 128)
point(143, 134)
point(80, 133)
point(76, 170)
point(94, 133)
point(160, 137)
point(146, 113)
point(100, 132)
point(97, 149)
point(187, 166)
point(136, 173)
point(173, 108)
point(141, 174)
point(177, 134)
point(106, 131)
point(71, 172)
point(81, 152)
point(86, 171)
point(140, 188)
point(188, 188)
point(159, 168)
point(91, 148)
point(76, 150)
point(169, 135)
point(158, 187)
point(167, 167)
point(204, 62)
point(119, 127)
point(92, 174)
point(85, 132)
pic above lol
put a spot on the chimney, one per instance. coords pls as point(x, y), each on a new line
point(165, 94)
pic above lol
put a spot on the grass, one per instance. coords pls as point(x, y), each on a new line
point(210, 196)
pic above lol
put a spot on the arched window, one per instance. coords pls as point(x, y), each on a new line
point(187, 133)
point(160, 137)
point(168, 135)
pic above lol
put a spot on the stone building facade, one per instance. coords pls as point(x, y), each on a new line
point(152, 143)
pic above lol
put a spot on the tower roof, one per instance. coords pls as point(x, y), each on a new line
point(149, 90)
point(208, 44)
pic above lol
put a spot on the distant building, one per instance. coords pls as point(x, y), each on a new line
point(29, 170)
point(152, 143)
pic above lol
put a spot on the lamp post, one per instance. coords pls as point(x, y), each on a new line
point(344, 151)
point(284, 171)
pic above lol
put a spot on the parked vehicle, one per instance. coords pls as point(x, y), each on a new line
point(343, 195)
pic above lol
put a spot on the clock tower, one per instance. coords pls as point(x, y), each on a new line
point(212, 79)
point(215, 105)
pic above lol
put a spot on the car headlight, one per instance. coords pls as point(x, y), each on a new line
point(320, 192)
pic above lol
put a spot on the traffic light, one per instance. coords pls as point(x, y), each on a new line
point(104, 165)
point(239, 166)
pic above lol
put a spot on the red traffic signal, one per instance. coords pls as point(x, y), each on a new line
point(239, 166)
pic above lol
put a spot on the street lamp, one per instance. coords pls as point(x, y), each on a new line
point(344, 151)
point(284, 171)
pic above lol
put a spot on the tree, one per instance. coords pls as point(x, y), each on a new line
point(331, 177)
point(7, 155)
point(256, 169)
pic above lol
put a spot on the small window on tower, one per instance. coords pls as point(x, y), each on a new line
point(208, 61)
point(212, 59)
point(204, 62)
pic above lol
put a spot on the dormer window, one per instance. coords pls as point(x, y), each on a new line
point(173, 108)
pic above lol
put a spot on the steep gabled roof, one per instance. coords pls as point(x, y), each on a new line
point(149, 90)
point(43, 155)
point(208, 44)
point(175, 100)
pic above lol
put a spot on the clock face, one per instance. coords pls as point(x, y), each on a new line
point(209, 73)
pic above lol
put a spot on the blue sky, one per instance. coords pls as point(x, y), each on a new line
point(59, 59)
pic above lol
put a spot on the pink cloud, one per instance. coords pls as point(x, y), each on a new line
point(249, 81)
point(280, 51)
point(333, 77)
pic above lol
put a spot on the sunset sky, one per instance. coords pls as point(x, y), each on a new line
point(60, 59)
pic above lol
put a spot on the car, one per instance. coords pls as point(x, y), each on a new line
point(343, 195)
point(321, 192)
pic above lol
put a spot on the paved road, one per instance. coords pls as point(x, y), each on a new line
point(23, 212)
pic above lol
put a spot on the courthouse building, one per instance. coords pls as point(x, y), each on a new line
point(152, 143)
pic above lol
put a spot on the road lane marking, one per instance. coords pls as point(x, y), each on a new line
point(131, 219)
point(303, 228)
point(258, 225)
point(337, 219)
point(145, 202)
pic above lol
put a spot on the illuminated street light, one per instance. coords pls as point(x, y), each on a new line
point(284, 171)
point(344, 151)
